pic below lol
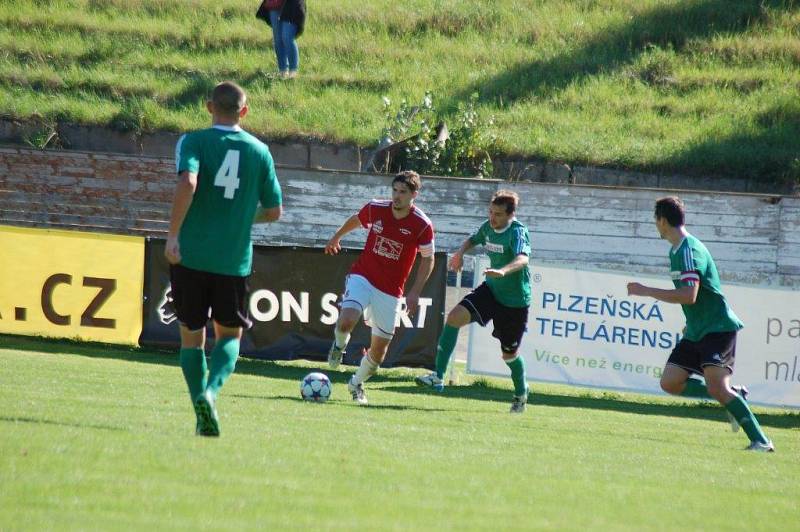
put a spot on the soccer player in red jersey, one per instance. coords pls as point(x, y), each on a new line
point(374, 286)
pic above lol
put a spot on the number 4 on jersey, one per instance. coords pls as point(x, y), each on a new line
point(228, 174)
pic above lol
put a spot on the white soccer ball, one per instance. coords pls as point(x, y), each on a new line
point(315, 387)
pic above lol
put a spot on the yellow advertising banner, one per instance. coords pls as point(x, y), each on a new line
point(69, 284)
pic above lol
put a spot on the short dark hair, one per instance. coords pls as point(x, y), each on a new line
point(507, 198)
point(410, 178)
point(671, 209)
point(229, 98)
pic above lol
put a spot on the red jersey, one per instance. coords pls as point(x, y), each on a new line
point(392, 245)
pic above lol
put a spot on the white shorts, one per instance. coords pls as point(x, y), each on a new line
point(379, 308)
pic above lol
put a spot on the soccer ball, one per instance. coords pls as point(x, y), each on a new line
point(315, 387)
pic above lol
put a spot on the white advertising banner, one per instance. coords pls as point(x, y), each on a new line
point(584, 329)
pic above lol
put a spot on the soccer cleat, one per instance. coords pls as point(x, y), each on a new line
point(519, 402)
point(759, 447)
point(743, 393)
point(207, 420)
point(335, 356)
point(432, 380)
point(357, 391)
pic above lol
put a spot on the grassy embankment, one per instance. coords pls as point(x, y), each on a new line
point(703, 87)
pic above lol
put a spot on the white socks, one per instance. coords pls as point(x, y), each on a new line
point(341, 338)
point(366, 369)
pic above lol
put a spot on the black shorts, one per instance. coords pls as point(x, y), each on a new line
point(713, 349)
point(510, 323)
point(198, 295)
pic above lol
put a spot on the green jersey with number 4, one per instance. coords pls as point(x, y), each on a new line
point(691, 263)
point(235, 172)
point(514, 289)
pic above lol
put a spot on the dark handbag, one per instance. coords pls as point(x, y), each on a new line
point(267, 6)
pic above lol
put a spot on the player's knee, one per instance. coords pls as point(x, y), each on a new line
point(346, 324)
point(508, 357)
point(458, 317)
point(671, 386)
point(509, 351)
point(377, 354)
point(718, 390)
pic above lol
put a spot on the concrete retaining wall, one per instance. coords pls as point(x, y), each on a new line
point(314, 154)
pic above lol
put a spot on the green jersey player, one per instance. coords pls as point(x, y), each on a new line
point(223, 175)
point(503, 298)
point(708, 346)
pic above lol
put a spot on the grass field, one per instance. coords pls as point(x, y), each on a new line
point(708, 87)
point(100, 437)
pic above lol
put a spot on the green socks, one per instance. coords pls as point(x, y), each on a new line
point(746, 419)
point(193, 364)
point(737, 407)
point(695, 388)
point(517, 367)
point(223, 362)
point(447, 342)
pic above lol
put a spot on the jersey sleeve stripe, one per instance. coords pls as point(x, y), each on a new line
point(688, 259)
point(178, 153)
point(690, 277)
point(519, 249)
point(427, 250)
point(423, 216)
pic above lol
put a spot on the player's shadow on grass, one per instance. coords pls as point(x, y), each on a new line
point(340, 399)
point(708, 410)
point(244, 366)
point(610, 401)
point(38, 421)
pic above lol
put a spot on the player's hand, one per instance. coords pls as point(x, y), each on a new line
point(172, 251)
point(456, 262)
point(412, 303)
point(494, 274)
point(333, 247)
point(637, 289)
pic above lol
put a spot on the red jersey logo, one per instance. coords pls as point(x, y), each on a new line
point(388, 248)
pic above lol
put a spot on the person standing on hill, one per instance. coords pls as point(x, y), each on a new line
point(287, 19)
point(223, 175)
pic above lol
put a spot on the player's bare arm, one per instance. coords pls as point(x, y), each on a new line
point(685, 295)
point(423, 273)
point(519, 262)
point(456, 261)
point(271, 214)
point(334, 244)
point(184, 193)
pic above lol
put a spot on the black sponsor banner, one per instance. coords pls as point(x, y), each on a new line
point(294, 296)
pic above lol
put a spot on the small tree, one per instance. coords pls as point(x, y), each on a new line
point(430, 146)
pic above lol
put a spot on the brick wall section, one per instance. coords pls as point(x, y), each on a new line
point(90, 191)
point(754, 238)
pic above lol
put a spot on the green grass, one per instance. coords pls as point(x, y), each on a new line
point(102, 438)
point(706, 87)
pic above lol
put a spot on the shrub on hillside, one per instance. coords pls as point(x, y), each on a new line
point(425, 141)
